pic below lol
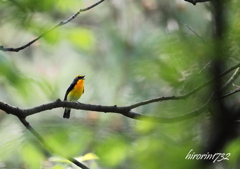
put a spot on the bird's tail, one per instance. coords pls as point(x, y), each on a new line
point(66, 113)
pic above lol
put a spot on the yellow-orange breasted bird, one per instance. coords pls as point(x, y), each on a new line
point(74, 92)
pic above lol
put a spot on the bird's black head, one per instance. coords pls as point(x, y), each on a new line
point(79, 77)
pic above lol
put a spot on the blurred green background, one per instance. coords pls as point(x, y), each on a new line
point(130, 51)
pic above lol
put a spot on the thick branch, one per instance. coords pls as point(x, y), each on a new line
point(126, 111)
point(74, 105)
point(56, 26)
point(111, 109)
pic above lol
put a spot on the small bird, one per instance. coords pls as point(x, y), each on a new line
point(74, 92)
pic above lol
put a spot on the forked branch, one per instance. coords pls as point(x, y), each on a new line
point(125, 110)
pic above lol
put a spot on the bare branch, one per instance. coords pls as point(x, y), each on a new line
point(74, 105)
point(110, 109)
point(194, 2)
point(5, 49)
point(229, 82)
point(157, 119)
point(42, 140)
point(22, 113)
point(193, 31)
point(204, 67)
point(232, 78)
point(231, 93)
point(158, 99)
point(126, 111)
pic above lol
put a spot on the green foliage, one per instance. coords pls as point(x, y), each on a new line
point(233, 149)
point(31, 156)
point(130, 51)
point(67, 143)
point(113, 150)
point(82, 38)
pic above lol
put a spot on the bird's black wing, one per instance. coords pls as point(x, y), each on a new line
point(69, 89)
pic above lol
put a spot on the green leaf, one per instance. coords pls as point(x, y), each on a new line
point(31, 156)
point(82, 38)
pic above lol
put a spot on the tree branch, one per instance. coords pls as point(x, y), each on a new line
point(157, 119)
point(5, 49)
point(23, 113)
point(194, 2)
point(229, 82)
point(193, 32)
point(126, 110)
point(42, 140)
point(158, 99)
point(232, 78)
point(230, 93)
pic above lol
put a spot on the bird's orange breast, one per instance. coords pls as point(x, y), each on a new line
point(77, 91)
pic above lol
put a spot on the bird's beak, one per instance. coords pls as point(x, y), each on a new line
point(83, 77)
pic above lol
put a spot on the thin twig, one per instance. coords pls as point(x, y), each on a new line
point(51, 29)
point(42, 140)
point(232, 78)
point(193, 31)
point(231, 93)
point(157, 119)
point(234, 85)
point(204, 67)
point(229, 82)
point(158, 99)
